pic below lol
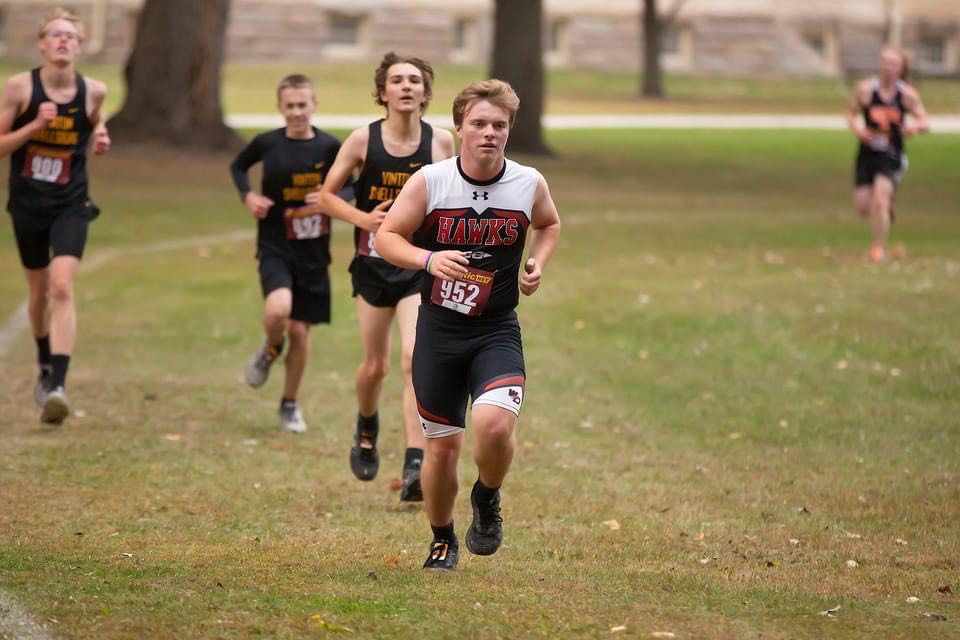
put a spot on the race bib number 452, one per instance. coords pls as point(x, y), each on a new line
point(467, 295)
point(47, 165)
point(304, 223)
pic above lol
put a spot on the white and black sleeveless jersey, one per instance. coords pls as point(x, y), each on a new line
point(488, 221)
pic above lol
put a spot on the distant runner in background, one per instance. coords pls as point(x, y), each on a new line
point(293, 239)
point(884, 102)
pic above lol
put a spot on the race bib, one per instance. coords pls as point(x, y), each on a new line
point(304, 223)
point(467, 295)
point(880, 142)
point(47, 165)
point(365, 244)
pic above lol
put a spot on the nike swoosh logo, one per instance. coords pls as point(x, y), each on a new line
point(414, 165)
point(318, 165)
point(73, 109)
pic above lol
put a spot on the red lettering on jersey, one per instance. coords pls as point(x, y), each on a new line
point(493, 237)
point(477, 228)
point(511, 232)
point(459, 235)
point(444, 226)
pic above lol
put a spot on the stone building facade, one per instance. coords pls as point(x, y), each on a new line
point(731, 37)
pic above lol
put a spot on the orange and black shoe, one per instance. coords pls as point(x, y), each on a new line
point(258, 368)
point(485, 534)
point(364, 459)
point(444, 555)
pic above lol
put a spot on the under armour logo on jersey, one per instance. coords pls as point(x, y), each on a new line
point(477, 195)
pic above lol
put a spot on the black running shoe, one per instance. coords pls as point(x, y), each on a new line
point(412, 491)
point(444, 555)
point(364, 459)
point(486, 531)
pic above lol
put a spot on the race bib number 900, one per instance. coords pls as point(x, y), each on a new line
point(467, 295)
point(304, 223)
point(47, 165)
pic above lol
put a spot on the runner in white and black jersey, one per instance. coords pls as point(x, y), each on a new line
point(884, 102)
point(384, 155)
point(48, 118)
point(293, 238)
point(471, 216)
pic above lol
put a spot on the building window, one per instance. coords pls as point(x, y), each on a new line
point(344, 29)
point(555, 36)
point(931, 51)
point(463, 34)
point(670, 40)
point(815, 40)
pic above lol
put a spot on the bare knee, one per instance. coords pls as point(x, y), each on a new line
point(406, 363)
point(374, 368)
point(298, 333)
point(497, 431)
point(443, 451)
point(61, 290)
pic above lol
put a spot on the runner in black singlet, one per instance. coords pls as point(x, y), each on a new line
point(293, 238)
point(48, 118)
point(884, 103)
point(383, 156)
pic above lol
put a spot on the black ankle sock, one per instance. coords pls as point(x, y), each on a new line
point(484, 493)
point(286, 402)
point(369, 424)
point(60, 364)
point(444, 533)
point(278, 347)
point(43, 350)
point(412, 454)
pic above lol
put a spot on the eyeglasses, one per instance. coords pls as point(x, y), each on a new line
point(56, 34)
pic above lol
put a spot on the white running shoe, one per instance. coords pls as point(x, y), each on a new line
point(291, 420)
point(258, 369)
point(56, 407)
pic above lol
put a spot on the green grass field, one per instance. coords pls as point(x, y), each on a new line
point(726, 406)
point(346, 88)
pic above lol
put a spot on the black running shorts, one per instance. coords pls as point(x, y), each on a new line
point(455, 360)
point(42, 234)
point(871, 163)
point(309, 286)
point(377, 292)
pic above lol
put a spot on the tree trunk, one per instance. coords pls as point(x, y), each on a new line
point(518, 59)
point(652, 74)
point(173, 77)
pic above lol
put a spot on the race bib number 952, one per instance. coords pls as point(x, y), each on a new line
point(304, 223)
point(47, 165)
point(467, 295)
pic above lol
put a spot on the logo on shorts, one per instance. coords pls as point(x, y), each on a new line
point(514, 395)
point(478, 195)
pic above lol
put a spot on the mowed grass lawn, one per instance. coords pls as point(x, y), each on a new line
point(733, 422)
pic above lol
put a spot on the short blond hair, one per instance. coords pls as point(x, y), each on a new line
point(294, 81)
point(494, 91)
point(59, 13)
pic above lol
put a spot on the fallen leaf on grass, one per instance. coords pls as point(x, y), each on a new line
point(395, 484)
point(618, 628)
point(318, 620)
point(841, 365)
point(579, 325)
point(901, 542)
point(852, 564)
point(172, 437)
point(391, 561)
point(613, 525)
point(794, 542)
point(80, 413)
point(945, 589)
point(662, 634)
point(831, 612)
point(124, 554)
point(913, 599)
point(936, 617)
